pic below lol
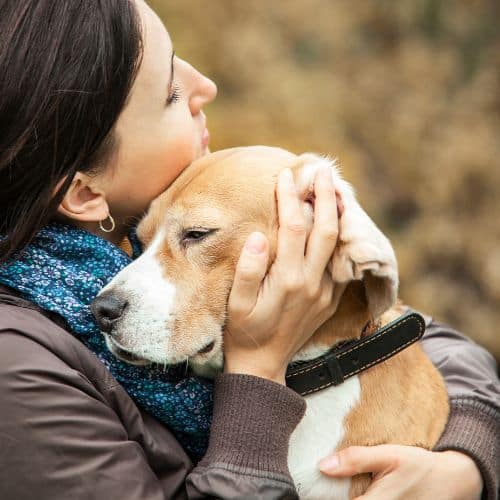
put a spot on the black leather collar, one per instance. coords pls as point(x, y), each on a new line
point(352, 357)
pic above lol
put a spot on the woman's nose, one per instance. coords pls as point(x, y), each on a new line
point(204, 91)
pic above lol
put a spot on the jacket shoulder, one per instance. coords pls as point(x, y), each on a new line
point(32, 343)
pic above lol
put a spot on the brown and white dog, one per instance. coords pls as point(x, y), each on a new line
point(176, 296)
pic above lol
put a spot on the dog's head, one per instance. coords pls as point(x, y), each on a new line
point(169, 305)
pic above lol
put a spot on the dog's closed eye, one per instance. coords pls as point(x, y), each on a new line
point(195, 235)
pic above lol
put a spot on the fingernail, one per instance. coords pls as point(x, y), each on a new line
point(287, 175)
point(327, 174)
point(256, 243)
point(329, 463)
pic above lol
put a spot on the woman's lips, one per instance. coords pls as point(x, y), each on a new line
point(205, 140)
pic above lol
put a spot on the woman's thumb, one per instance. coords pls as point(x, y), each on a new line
point(356, 460)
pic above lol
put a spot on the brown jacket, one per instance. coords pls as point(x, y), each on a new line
point(69, 430)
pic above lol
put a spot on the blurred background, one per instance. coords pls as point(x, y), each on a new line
point(405, 94)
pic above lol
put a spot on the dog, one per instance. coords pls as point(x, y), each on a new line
point(171, 304)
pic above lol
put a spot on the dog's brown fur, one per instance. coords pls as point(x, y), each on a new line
point(233, 190)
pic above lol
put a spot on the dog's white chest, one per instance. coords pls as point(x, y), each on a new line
point(318, 434)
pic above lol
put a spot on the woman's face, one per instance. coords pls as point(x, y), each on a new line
point(162, 129)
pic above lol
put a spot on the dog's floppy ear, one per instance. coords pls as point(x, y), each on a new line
point(363, 252)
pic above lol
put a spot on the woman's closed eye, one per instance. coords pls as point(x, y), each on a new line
point(175, 95)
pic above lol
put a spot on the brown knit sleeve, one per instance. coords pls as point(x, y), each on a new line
point(470, 374)
point(248, 449)
point(473, 428)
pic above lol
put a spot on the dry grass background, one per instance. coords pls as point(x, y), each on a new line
point(406, 94)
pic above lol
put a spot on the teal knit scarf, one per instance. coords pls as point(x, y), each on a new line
point(62, 271)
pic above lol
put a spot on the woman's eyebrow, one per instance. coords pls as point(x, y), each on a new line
point(171, 72)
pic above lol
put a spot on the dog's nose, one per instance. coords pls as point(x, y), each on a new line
point(107, 309)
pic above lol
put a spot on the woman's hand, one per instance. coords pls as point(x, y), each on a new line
point(272, 315)
point(408, 472)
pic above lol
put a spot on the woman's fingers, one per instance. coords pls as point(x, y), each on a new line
point(336, 295)
point(358, 459)
point(250, 271)
point(324, 235)
point(292, 228)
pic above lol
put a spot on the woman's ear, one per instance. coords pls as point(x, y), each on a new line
point(83, 200)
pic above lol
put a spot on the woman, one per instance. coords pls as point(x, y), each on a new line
point(97, 117)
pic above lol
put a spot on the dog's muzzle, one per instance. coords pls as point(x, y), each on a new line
point(107, 309)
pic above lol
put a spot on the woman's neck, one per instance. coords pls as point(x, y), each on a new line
point(115, 237)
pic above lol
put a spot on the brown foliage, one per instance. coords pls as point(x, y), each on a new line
point(406, 94)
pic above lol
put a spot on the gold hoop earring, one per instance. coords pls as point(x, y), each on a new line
point(108, 229)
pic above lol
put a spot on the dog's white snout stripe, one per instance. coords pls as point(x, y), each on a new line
point(146, 324)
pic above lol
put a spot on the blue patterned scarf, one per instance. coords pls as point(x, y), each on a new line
point(62, 271)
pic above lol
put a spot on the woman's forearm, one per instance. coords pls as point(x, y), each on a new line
point(247, 454)
point(470, 373)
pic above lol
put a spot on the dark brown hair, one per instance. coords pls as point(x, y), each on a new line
point(66, 70)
